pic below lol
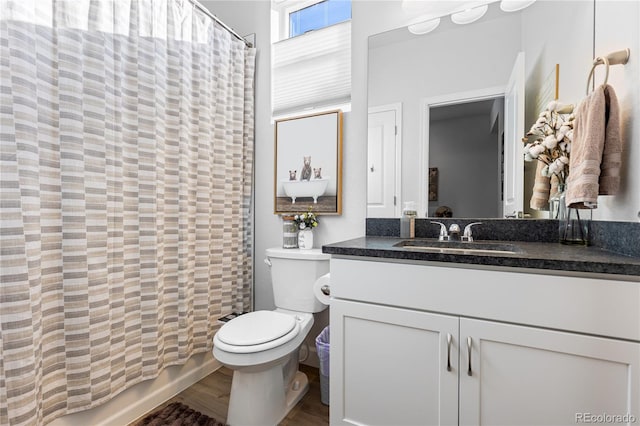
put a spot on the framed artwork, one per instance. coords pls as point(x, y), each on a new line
point(433, 184)
point(308, 164)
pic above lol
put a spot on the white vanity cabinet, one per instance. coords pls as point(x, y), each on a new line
point(531, 376)
point(543, 349)
point(391, 366)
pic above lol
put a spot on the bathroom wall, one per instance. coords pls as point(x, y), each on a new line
point(617, 26)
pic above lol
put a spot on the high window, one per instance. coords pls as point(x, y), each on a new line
point(319, 15)
point(311, 56)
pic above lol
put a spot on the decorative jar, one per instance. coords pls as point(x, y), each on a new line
point(305, 238)
point(289, 233)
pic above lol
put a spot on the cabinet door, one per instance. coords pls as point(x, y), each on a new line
point(529, 376)
point(389, 366)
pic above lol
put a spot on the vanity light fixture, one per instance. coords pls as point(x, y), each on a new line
point(515, 5)
point(424, 27)
point(468, 16)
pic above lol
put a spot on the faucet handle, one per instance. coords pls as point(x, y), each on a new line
point(466, 235)
point(443, 231)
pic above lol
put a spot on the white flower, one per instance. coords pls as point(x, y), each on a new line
point(302, 225)
point(552, 105)
point(296, 217)
point(536, 150)
point(550, 142)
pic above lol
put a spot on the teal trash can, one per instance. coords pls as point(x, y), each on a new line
point(322, 346)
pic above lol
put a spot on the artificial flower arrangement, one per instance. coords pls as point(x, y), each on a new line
point(306, 220)
point(549, 140)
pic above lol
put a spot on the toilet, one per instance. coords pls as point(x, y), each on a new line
point(262, 347)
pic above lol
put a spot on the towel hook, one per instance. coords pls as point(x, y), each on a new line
point(619, 57)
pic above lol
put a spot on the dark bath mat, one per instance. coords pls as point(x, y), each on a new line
point(177, 414)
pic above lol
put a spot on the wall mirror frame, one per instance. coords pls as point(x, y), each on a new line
point(308, 164)
point(400, 78)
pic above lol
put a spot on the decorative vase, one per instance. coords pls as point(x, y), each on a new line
point(305, 239)
point(573, 224)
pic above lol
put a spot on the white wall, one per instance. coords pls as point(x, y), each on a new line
point(617, 27)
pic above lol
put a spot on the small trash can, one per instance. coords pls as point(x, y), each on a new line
point(322, 346)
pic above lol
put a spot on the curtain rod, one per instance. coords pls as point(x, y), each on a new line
point(215, 18)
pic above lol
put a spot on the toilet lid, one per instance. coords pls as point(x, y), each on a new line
point(256, 328)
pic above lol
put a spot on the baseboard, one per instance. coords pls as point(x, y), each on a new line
point(138, 400)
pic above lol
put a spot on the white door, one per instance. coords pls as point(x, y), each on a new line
point(529, 376)
point(383, 166)
point(513, 203)
point(392, 366)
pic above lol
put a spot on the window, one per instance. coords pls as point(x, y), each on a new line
point(311, 56)
point(319, 15)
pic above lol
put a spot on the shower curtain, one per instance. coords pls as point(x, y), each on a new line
point(125, 175)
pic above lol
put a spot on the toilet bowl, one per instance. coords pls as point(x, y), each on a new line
point(262, 347)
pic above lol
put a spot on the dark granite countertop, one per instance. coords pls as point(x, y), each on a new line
point(530, 255)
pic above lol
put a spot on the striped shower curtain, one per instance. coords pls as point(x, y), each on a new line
point(125, 176)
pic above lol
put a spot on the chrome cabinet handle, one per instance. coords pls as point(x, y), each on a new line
point(448, 351)
point(326, 290)
point(469, 355)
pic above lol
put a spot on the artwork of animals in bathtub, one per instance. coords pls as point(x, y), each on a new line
point(308, 163)
point(306, 186)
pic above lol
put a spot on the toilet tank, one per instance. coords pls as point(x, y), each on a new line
point(293, 273)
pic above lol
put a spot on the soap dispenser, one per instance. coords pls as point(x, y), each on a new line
point(408, 220)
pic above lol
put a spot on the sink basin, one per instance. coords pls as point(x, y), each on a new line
point(459, 247)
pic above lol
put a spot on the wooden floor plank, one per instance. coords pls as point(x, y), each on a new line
point(210, 396)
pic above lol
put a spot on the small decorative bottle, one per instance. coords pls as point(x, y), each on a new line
point(408, 220)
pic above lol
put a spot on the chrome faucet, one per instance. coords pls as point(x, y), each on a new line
point(454, 232)
point(443, 231)
point(452, 235)
point(466, 235)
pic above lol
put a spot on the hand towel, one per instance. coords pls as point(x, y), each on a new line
point(612, 154)
point(594, 165)
point(541, 189)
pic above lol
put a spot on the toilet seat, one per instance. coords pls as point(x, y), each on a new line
point(256, 331)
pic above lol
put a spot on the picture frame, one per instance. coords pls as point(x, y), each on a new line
point(308, 164)
point(433, 184)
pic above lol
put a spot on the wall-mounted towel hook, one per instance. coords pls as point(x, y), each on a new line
point(619, 57)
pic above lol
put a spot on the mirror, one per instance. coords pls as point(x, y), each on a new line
point(410, 77)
